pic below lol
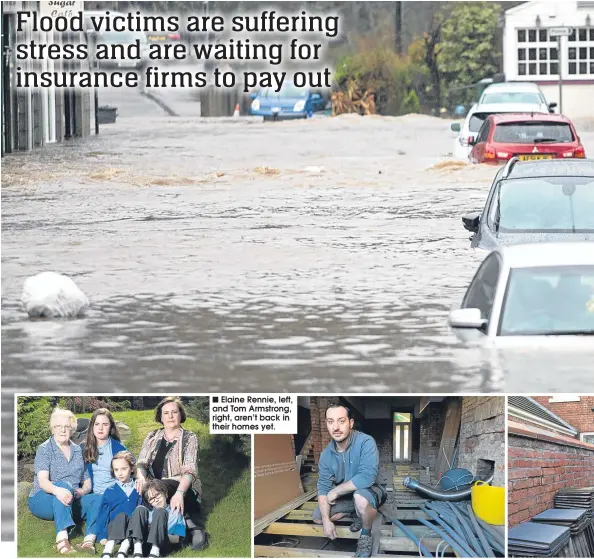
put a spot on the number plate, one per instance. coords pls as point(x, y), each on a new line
point(533, 157)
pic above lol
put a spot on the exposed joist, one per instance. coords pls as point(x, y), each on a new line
point(264, 521)
point(405, 545)
point(277, 551)
point(314, 530)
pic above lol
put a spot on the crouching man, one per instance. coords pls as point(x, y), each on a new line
point(347, 486)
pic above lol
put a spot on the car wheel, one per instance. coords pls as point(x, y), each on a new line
point(268, 118)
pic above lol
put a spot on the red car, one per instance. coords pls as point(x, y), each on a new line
point(529, 136)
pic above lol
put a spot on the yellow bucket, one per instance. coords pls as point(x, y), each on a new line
point(488, 503)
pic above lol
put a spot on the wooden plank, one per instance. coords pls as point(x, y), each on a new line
point(314, 530)
point(306, 515)
point(261, 523)
point(376, 529)
point(449, 436)
point(277, 551)
point(406, 545)
point(310, 505)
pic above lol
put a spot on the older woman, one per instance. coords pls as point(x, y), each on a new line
point(59, 474)
point(171, 454)
point(101, 445)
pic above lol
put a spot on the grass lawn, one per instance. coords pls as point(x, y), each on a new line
point(226, 483)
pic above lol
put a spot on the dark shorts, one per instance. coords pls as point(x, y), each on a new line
point(374, 495)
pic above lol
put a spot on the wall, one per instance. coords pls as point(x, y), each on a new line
point(431, 429)
point(482, 435)
point(577, 414)
point(381, 431)
point(538, 468)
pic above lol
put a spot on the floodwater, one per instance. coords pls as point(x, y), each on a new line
point(235, 255)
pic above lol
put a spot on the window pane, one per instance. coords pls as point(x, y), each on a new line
point(521, 35)
point(542, 54)
point(583, 34)
point(532, 68)
point(592, 34)
point(583, 53)
point(572, 53)
point(521, 69)
point(532, 35)
point(542, 35)
point(542, 68)
point(572, 68)
point(531, 54)
point(592, 53)
point(591, 67)
point(583, 67)
point(521, 54)
point(572, 35)
point(554, 68)
point(553, 53)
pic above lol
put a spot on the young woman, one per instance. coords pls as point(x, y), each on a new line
point(171, 455)
point(101, 445)
point(59, 474)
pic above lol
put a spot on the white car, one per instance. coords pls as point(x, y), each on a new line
point(517, 93)
point(523, 292)
point(477, 115)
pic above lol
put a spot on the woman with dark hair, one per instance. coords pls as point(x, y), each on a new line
point(101, 445)
point(171, 455)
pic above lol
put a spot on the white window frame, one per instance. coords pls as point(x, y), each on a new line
point(574, 42)
point(538, 45)
point(586, 434)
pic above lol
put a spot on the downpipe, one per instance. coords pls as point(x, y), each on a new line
point(440, 494)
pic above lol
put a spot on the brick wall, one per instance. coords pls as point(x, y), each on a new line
point(381, 431)
point(482, 435)
point(577, 414)
point(537, 469)
point(431, 429)
point(320, 436)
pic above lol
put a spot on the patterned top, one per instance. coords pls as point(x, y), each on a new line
point(181, 459)
point(50, 458)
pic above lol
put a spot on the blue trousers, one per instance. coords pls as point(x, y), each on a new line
point(48, 507)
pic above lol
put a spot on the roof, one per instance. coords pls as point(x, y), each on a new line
point(527, 116)
point(530, 407)
point(513, 86)
point(552, 168)
point(534, 255)
point(491, 108)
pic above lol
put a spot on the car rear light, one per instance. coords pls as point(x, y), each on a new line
point(580, 152)
point(503, 155)
point(490, 154)
point(175, 36)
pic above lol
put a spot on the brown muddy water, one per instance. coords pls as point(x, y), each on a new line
point(235, 255)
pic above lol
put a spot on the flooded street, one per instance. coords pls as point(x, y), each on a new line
point(318, 255)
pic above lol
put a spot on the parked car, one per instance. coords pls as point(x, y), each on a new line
point(536, 201)
point(543, 289)
point(290, 102)
point(529, 137)
point(516, 93)
point(476, 117)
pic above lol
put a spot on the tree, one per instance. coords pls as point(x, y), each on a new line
point(468, 45)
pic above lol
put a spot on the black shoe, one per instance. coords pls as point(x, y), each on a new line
point(199, 539)
point(356, 525)
point(364, 546)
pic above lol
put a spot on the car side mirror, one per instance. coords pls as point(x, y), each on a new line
point(471, 222)
point(316, 97)
point(471, 140)
point(552, 105)
point(455, 127)
point(467, 318)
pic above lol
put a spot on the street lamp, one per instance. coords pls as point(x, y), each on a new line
point(588, 21)
point(537, 21)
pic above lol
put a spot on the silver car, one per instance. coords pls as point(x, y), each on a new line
point(530, 290)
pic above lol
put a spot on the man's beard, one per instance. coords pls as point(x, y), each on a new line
point(344, 437)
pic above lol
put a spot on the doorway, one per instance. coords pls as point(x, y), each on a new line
point(402, 436)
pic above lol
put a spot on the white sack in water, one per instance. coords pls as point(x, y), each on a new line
point(50, 295)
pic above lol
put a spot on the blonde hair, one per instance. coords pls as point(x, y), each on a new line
point(60, 412)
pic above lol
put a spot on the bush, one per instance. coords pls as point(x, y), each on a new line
point(411, 103)
point(199, 409)
point(33, 414)
point(85, 404)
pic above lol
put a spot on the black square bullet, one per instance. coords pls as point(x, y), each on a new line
point(215, 399)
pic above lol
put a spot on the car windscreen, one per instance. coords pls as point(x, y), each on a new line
point(548, 300)
point(543, 205)
point(511, 97)
point(287, 90)
point(533, 132)
point(476, 121)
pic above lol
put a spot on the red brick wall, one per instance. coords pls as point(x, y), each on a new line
point(431, 429)
point(577, 414)
point(538, 469)
point(320, 435)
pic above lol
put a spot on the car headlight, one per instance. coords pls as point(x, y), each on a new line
point(256, 104)
point(299, 106)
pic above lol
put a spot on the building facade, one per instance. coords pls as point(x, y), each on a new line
point(32, 118)
point(532, 52)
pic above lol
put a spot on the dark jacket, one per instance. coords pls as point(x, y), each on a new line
point(114, 502)
point(359, 463)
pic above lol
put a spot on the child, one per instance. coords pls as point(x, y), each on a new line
point(118, 505)
point(158, 525)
